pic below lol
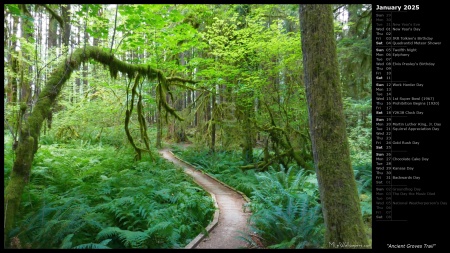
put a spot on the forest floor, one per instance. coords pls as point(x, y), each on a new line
point(231, 218)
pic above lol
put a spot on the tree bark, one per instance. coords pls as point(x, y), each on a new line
point(338, 191)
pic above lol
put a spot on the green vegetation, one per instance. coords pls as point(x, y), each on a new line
point(284, 201)
point(92, 91)
point(94, 196)
point(287, 213)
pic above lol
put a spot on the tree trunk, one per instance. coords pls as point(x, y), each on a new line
point(12, 80)
point(247, 148)
point(65, 9)
point(338, 191)
point(85, 86)
point(196, 94)
point(158, 127)
point(52, 32)
point(170, 126)
point(25, 67)
point(213, 118)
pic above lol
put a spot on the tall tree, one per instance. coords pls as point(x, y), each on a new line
point(65, 9)
point(355, 50)
point(337, 186)
point(26, 68)
point(13, 60)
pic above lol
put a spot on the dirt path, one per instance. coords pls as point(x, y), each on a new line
point(230, 218)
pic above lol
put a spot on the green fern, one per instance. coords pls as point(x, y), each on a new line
point(67, 242)
point(75, 193)
point(54, 223)
point(284, 214)
point(363, 175)
point(130, 239)
point(101, 245)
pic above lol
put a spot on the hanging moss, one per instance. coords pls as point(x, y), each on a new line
point(143, 126)
point(30, 130)
point(280, 137)
point(130, 138)
point(162, 90)
point(141, 120)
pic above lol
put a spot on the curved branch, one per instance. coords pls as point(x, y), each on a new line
point(54, 15)
point(179, 79)
point(128, 117)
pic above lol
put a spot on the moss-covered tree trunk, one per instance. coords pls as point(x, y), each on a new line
point(247, 146)
point(338, 191)
point(213, 119)
point(31, 127)
point(158, 128)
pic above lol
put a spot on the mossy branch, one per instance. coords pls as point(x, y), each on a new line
point(128, 117)
point(143, 125)
point(280, 136)
point(54, 15)
point(30, 130)
point(263, 165)
point(181, 80)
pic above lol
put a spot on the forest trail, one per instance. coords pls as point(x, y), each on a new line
point(229, 221)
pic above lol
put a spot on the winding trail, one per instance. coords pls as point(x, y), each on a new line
point(230, 219)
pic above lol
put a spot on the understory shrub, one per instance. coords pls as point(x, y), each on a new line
point(95, 196)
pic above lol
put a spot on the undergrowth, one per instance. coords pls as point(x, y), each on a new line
point(284, 202)
point(96, 196)
point(286, 209)
point(285, 205)
point(223, 165)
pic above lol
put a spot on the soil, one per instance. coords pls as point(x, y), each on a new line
point(231, 218)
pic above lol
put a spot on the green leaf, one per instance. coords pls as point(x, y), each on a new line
point(66, 243)
point(13, 9)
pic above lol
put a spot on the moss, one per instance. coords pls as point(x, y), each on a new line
point(13, 195)
point(23, 107)
point(131, 74)
point(162, 90)
point(338, 191)
point(297, 155)
point(18, 179)
point(143, 126)
point(130, 138)
point(24, 156)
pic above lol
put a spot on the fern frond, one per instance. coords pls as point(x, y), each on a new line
point(284, 214)
point(67, 242)
point(164, 227)
point(91, 246)
point(108, 233)
point(130, 239)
